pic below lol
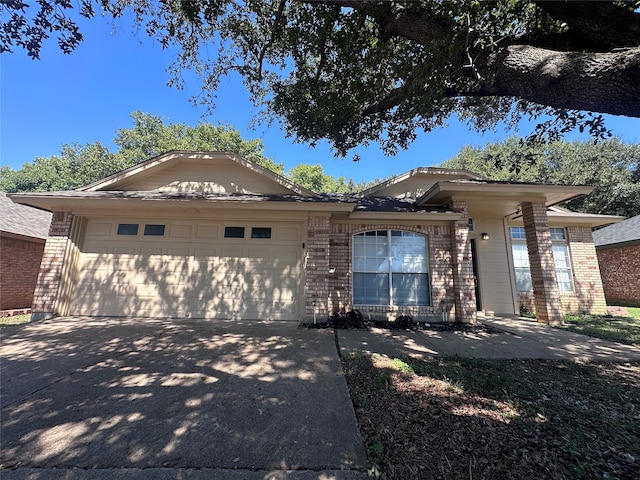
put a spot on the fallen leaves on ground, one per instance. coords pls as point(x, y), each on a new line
point(481, 419)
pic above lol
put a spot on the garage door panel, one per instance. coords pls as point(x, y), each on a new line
point(207, 231)
point(180, 231)
point(190, 273)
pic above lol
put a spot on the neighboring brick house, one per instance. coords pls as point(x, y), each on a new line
point(618, 249)
point(23, 232)
point(213, 235)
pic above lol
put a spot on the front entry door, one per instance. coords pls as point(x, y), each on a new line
point(476, 282)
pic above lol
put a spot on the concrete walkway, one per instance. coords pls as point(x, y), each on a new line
point(512, 338)
point(89, 398)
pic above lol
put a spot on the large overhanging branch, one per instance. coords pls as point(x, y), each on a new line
point(597, 82)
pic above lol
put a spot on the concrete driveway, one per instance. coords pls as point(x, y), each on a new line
point(136, 398)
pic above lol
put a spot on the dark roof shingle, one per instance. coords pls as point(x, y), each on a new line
point(623, 232)
point(23, 220)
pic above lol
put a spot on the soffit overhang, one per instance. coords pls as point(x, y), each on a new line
point(521, 192)
point(500, 198)
point(572, 219)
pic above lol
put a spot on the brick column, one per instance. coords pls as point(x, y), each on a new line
point(541, 263)
point(50, 276)
point(463, 285)
point(317, 267)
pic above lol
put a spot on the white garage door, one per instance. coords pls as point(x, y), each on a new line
point(247, 270)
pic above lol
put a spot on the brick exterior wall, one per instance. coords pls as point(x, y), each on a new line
point(620, 270)
point(588, 295)
point(463, 281)
point(50, 277)
point(543, 272)
point(440, 273)
point(317, 267)
point(19, 266)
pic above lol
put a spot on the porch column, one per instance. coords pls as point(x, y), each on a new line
point(53, 259)
point(317, 260)
point(541, 263)
point(463, 285)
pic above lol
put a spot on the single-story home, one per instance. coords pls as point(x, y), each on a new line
point(212, 235)
point(618, 249)
point(23, 232)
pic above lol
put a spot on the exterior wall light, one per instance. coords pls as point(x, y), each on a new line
point(332, 270)
point(485, 236)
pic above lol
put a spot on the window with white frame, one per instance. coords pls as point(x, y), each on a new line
point(564, 277)
point(390, 267)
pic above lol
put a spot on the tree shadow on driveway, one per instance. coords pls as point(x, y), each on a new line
point(139, 393)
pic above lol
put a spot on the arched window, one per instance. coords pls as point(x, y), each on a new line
point(390, 267)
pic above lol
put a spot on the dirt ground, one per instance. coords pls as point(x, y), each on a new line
point(496, 419)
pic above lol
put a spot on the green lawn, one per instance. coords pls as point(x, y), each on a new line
point(616, 329)
point(14, 320)
point(634, 312)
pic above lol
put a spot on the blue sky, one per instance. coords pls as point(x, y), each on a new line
point(88, 95)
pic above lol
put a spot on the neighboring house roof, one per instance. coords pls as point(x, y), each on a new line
point(625, 232)
point(23, 220)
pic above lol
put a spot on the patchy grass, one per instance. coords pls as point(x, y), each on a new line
point(634, 312)
point(14, 320)
point(505, 419)
point(616, 329)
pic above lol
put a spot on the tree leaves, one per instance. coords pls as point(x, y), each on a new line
point(31, 31)
point(357, 71)
point(150, 136)
point(611, 166)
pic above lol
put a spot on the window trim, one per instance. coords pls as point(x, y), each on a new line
point(122, 229)
point(261, 233)
point(390, 264)
point(151, 232)
point(229, 229)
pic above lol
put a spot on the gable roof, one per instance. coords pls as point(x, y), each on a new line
point(177, 159)
point(427, 176)
point(625, 232)
point(23, 220)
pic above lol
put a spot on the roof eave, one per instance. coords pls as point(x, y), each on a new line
point(51, 202)
point(550, 194)
point(423, 216)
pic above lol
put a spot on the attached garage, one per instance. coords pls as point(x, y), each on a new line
point(250, 269)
